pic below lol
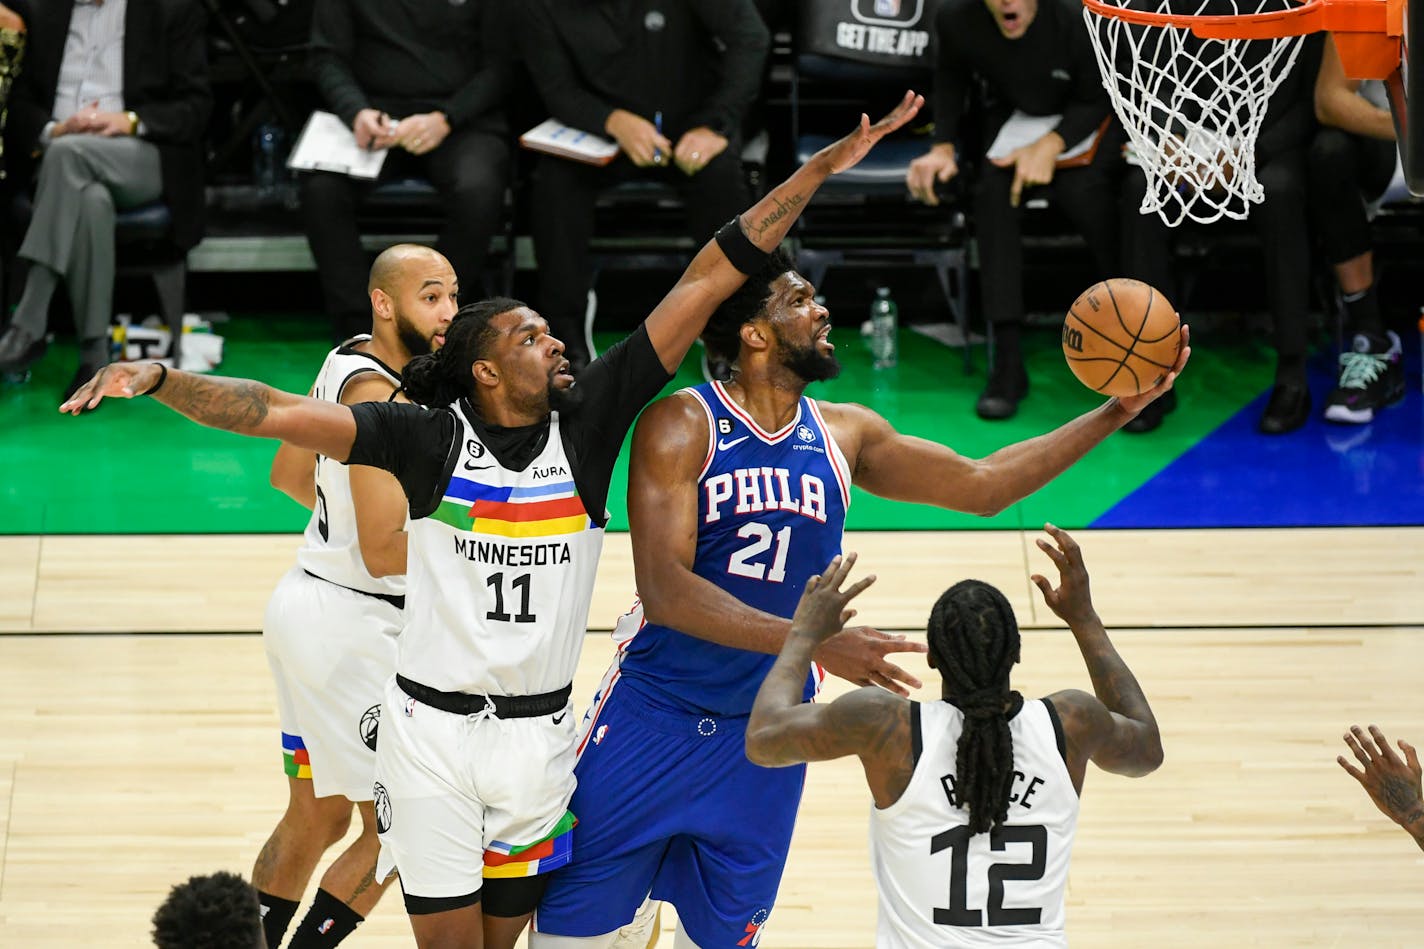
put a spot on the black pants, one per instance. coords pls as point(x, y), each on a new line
point(470, 169)
point(563, 207)
point(1087, 195)
point(1280, 223)
point(1346, 171)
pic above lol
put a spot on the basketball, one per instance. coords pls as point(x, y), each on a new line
point(1121, 337)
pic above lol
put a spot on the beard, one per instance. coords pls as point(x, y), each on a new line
point(565, 401)
point(410, 337)
point(807, 362)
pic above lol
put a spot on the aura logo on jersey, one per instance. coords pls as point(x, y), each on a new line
point(764, 489)
point(370, 724)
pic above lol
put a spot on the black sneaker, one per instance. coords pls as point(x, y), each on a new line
point(1006, 388)
point(1371, 377)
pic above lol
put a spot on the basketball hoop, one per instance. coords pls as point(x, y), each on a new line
point(1191, 81)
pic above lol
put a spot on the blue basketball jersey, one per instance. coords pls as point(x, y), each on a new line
point(771, 512)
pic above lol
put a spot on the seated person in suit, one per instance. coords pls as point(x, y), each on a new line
point(1280, 223)
point(427, 79)
point(1352, 159)
point(671, 82)
point(112, 105)
point(1033, 57)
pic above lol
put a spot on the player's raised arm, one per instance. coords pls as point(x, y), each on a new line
point(893, 465)
point(1116, 730)
point(723, 263)
point(782, 729)
point(243, 406)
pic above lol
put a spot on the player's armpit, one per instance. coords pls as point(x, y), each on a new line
point(380, 505)
point(1113, 742)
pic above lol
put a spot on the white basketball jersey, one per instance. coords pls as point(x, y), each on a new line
point(938, 886)
point(331, 549)
point(500, 575)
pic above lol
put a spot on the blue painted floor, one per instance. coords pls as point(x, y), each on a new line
point(1323, 475)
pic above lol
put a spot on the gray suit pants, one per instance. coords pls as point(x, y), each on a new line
point(83, 181)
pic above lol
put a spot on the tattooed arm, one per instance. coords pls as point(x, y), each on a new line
point(1393, 785)
point(233, 405)
point(1115, 729)
point(678, 320)
point(869, 722)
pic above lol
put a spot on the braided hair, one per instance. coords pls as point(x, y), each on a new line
point(722, 335)
point(443, 377)
point(974, 642)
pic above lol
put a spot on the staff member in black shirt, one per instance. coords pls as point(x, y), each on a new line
point(670, 81)
point(427, 79)
point(1019, 55)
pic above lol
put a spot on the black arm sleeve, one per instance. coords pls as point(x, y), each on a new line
point(413, 443)
point(617, 385)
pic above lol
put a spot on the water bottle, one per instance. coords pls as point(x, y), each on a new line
point(267, 168)
point(884, 323)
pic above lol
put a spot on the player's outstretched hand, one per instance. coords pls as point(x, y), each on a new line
point(1393, 784)
point(1136, 403)
point(848, 152)
point(1071, 601)
point(824, 607)
point(118, 380)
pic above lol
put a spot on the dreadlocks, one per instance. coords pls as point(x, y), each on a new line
point(974, 641)
point(443, 376)
point(722, 335)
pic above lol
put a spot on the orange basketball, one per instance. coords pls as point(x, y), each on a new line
point(1121, 337)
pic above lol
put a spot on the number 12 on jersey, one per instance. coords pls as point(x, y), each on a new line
point(956, 841)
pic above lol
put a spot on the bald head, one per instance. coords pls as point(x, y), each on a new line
point(395, 260)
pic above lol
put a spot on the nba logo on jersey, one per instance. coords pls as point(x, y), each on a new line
point(887, 7)
point(599, 733)
point(325, 927)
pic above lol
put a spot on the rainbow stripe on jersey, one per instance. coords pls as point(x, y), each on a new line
point(545, 510)
point(504, 860)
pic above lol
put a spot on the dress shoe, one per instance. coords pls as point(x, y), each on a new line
point(1002, 394)
point(1151, 417)
point(83, 374)
point(19, 348)
point(1287, 410)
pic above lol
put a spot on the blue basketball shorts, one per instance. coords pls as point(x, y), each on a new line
point(668, 804)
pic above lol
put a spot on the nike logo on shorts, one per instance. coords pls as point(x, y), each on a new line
point(561, 716)
point(723, 445)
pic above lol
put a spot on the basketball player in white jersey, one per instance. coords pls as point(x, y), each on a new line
point(976, 796)
point(506, 481)
point(331, 624)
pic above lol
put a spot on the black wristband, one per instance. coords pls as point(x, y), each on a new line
point(744, 255)
point(162, 378)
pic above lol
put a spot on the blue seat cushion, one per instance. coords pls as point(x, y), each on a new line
point(147, 222)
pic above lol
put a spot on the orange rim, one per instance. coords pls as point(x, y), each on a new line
point(1342, 16)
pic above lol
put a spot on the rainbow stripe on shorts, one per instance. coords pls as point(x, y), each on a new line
point(295, 760)
point(504, 860)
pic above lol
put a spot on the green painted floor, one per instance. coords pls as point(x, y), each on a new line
point(137, 467)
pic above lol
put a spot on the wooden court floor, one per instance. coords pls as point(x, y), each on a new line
point(140, 746)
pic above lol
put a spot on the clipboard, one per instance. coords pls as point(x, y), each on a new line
point(1023, 129)
point(326, 144)
point(553, 137)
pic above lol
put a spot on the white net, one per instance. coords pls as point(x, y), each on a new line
point(1192, 107)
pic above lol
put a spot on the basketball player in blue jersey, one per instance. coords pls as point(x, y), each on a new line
point(506, 480)
point(976, 795)
point(331, 624)
point(737, 494)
